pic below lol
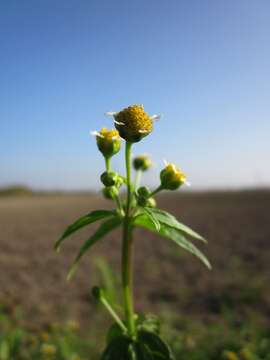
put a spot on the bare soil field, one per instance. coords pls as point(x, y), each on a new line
point(236, 224)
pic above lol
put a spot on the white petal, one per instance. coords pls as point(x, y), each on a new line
point(96, 133)
point(110, 113)
point(115, 138)
point(165, 162)
point(118, 123)
point(187, 183)
point(143, 131)
point(155, 117)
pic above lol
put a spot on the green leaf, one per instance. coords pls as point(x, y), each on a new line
point(83, 221)
point(172, 234)
point(151, 216)
point(168, 219)
point(103, 230)
point(114, 332)
point(148, 322)
point(119, 349)
point(151, 347)
point(148, 346)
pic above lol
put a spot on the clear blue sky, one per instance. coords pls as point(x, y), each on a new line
point(204, 65)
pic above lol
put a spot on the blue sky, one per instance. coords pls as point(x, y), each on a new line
point(203, 65)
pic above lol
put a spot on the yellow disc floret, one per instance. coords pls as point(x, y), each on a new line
point(172, 177)
point(108, 142)
point(133, 123)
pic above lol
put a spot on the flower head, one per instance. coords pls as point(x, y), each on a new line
point(142, 162)
point(133, 123)
point(172, 177)
point(108, 141)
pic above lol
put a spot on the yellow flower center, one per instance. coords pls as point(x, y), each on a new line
point(109, 134)
point(177, 173)
point(133, 123)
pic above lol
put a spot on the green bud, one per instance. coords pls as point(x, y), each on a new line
point(97, 292)
point(119, 181)
point(110, 192)
point(172, 177)
point(109, 178)
point(142, 201)
point(108, 142)
point(142, 163)
point(151, 202)
point(142, 195)
point(144, 191)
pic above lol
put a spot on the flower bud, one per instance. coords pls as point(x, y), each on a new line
point(144, 191)
point(172, 177)
point(97, 292)
point(133, 123)
point(151, 202)
point(109, 178)
point(142, 201)
point(119, 181)
point(110, 192)
point(108, 142)
point(142, 162)
point(142, 195)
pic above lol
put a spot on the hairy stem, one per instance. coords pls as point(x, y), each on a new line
point(127, 251)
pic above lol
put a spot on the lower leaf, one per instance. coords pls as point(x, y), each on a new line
point(119, 349)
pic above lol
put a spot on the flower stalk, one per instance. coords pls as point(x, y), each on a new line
point(127, 258)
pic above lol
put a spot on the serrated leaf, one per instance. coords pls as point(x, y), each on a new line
point(168, 219)
point(82, 222)
point(106, 227)
point(151, 216)
point(172, 234)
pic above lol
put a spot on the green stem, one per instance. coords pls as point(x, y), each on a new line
point(127, 251)
point(113, 313)
point(158, 189)
point(108, 164)
point(138, 179)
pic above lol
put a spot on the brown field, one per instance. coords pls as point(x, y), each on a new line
point(236, 224)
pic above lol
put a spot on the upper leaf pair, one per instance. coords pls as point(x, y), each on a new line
point(168, 226)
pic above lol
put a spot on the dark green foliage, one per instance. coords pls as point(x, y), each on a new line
point(147, 346)
point(118, 349)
